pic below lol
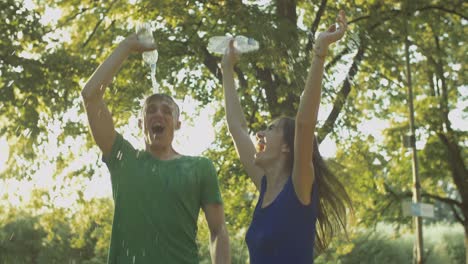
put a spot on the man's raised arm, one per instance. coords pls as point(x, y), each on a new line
point(99, 117)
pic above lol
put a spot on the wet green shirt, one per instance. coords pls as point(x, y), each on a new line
point(157, 203)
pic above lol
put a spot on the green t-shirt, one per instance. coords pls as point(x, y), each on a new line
point(157, 203)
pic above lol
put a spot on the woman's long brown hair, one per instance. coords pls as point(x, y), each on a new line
point(333, 198)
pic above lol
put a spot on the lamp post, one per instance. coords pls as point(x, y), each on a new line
point(418, 258)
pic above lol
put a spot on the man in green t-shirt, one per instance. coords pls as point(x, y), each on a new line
point(157, 192)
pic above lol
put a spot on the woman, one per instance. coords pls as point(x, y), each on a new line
point(295, 186)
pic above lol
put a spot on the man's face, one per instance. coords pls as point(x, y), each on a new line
point(160, 119)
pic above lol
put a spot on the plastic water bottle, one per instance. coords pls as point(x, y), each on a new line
point(218, 44)
point(145, 35)
point(245, 44)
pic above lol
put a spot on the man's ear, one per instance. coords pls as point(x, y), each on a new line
point(178, 125)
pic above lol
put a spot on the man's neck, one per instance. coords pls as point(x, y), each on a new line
point(163, 153)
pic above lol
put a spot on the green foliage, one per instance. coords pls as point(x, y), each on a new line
point(58, 235)
point(443, 244)
point(20, 239)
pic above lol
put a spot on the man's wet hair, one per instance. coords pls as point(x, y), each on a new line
point(160, 97)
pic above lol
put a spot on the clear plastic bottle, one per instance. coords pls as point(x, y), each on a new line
point(245, 44)
point(218, 44)
point(145, 34)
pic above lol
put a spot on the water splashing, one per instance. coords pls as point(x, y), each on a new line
point(153, 78)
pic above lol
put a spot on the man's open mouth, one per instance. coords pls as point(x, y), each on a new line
point(157, 129)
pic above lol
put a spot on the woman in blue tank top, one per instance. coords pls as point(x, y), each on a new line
point(296, 188)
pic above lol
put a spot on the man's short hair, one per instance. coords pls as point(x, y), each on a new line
point(162, 97)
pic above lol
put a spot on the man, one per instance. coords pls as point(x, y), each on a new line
point(158, 192)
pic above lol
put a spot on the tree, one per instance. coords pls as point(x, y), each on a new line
point(436, 56)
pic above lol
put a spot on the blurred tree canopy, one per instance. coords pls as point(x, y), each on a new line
point(44, 65)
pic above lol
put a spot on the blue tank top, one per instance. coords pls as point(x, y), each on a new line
point(284, 231)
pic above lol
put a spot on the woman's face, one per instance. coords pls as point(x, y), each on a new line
point(270, 143)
